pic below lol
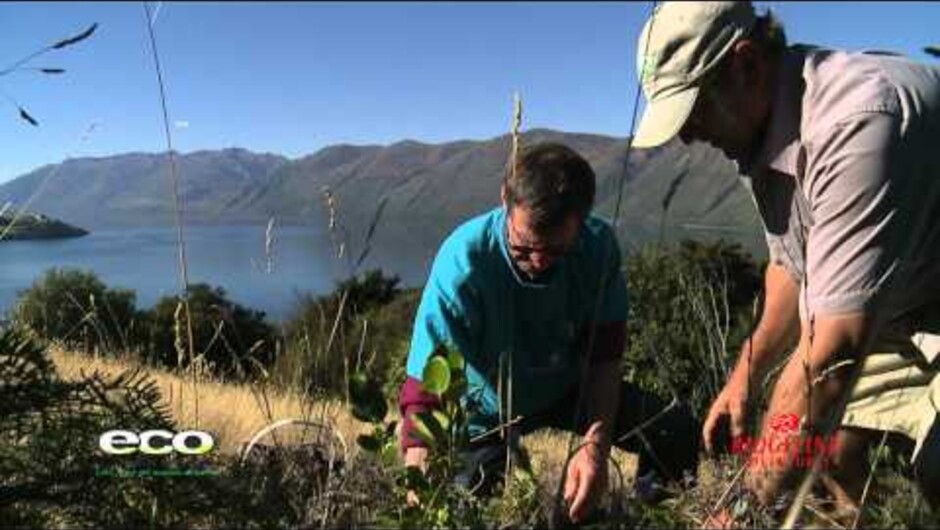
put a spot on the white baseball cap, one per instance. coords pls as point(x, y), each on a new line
point(680, 43)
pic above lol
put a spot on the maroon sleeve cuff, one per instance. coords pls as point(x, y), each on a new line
point(412, 399)
point(610, 341)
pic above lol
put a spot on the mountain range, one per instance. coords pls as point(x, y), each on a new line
point(414, 193)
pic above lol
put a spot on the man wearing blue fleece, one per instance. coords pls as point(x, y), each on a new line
point(524, 283)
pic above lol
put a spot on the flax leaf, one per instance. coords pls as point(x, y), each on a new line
point(77, 38)
point(26, 116)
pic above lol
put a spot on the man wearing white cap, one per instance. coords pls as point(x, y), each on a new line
point(840, 153)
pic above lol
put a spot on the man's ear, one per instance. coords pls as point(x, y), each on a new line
point(748, 64)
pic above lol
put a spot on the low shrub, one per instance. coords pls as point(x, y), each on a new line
point(363, 324)
point(76, 308)
point(231, 339)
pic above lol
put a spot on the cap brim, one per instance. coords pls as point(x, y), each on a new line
point(663, 119)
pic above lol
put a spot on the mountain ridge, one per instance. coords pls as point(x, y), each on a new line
point(426, 189)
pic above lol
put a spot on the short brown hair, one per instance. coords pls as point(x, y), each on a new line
point(552, 181)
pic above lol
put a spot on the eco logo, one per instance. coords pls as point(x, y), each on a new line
point(786, 446)
point(155, 442)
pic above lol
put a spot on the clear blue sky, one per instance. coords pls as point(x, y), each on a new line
point(291, 78)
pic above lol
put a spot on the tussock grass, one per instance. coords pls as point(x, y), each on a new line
point(233, 413)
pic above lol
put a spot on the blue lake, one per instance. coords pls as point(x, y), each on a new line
point(302, 260)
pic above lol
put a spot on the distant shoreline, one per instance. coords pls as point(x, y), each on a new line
point(36, 227)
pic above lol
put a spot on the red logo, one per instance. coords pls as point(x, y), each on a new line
point(784, 446)
point(785, 424)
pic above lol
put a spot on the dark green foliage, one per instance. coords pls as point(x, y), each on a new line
point(391, 327)
point(370, 406)
point(53, 475)
point(368, 403)
point(79, 310)
point(727, 265)
point(363, 326)
point(232, 338)
point(690, 308)
point(50, 429)
point(372, 290)
point(75, 307)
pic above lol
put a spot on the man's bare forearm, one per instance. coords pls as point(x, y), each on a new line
point(417, 457)
point(603, 400)
point(812, 386)
point(779, 325)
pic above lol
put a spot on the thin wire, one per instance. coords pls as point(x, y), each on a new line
point(174, 179)
point(174, 176)
point(608, 248)
point(24, 60)
point(156, 13)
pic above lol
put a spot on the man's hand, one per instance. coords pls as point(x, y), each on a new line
point(732, 402)
point(586, 480)
point(416, 457)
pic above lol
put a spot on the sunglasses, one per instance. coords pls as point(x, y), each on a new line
point(524, 252)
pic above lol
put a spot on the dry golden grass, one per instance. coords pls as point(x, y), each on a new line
point(233, 413)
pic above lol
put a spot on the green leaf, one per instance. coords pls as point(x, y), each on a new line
point(389, 453)
point(368, 402)
point(422, 432)
point(436, 376)
point(456, 361)
point(429, 428)
point(442, 419)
